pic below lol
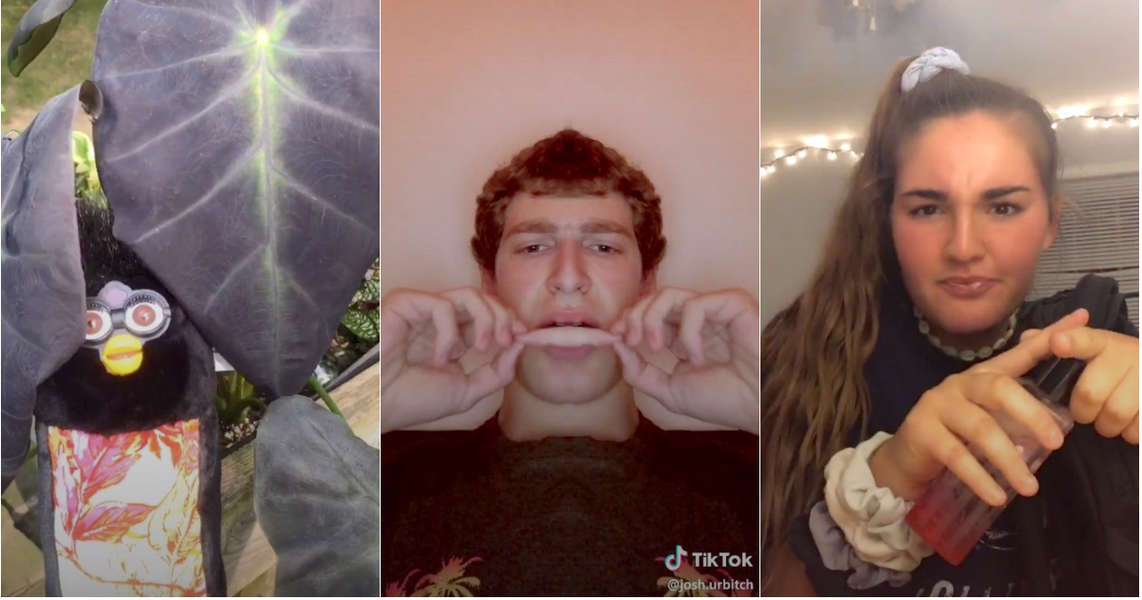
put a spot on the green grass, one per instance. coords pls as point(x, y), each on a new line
point(64, 63)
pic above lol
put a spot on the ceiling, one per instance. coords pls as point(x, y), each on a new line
point(821, 69)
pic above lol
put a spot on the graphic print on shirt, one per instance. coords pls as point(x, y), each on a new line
point(998, 539)
point(126, 511)
point(450, 580)
point(946, 588)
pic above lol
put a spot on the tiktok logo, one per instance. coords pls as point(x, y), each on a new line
point(673, 561)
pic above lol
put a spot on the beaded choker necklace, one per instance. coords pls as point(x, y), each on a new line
point(964, 355)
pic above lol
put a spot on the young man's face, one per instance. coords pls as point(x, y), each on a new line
point(568, 260)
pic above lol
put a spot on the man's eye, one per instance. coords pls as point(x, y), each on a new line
point(532, 248)
point(606, 249)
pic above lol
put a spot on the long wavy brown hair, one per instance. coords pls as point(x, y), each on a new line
point(814, 351)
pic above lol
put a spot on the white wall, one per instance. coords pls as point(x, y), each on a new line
point(671, 84)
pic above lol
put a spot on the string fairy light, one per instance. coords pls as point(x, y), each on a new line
point(820, 146)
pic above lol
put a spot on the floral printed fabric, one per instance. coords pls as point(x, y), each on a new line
point(448, 581)
point(126, 511)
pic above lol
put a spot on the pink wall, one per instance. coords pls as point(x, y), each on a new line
point(671, 84)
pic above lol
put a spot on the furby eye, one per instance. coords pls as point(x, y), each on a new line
point(97, 324)
point(145, 317)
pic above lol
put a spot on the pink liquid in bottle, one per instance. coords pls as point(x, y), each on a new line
point(949, 516)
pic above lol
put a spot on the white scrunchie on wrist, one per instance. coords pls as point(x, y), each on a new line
point(928, 64)
point(871, 517)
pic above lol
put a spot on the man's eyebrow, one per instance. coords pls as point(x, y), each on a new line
point(592, 226)
point(533, 226)
point(603, 226)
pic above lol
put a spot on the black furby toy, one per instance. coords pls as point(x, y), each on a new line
point(128, 439)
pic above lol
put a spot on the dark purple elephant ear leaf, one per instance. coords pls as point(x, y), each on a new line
point(317, 497)
point(239, 148)
point(36, 28)
point(43, 294)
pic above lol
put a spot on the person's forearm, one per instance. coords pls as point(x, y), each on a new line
point(887, 476)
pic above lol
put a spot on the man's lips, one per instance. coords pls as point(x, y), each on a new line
point(568, 337)
point(568, 343)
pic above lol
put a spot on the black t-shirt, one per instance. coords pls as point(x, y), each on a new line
point(903, 366)
point(473, 512)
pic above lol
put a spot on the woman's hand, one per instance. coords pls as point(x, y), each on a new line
point(1106, 393)
point(949, 417)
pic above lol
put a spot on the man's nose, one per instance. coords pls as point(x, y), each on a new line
point(568, 274)
point(965, 243)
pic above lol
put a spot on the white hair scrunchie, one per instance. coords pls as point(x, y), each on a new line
point(925, 67)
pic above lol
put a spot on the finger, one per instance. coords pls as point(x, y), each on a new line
point(471, 306)
point(495, 375)
point(690, 331)
point(642, 375)
point(1028, 334)
point(954, 455)
point(668, 301)
point(1130, 434)
point(974, 425)
point(1027, 354)
point(1083, 343)
point(736, 310)
point(504, 321)
point(1094, 387)
point(635, 313)
point(1001, 393)
point(619, 327)
point(401, 311)
point(447, 333)
point(1120, 408)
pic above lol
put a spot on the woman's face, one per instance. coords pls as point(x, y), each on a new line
point(969, 219)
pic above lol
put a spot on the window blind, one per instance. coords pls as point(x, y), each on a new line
point(1098, 234)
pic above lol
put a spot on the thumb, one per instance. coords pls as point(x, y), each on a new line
point(1029, 352)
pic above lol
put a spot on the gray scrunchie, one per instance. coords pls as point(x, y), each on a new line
point(838, 555)
point(925, 67)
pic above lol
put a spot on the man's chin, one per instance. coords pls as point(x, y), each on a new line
point(568, 375)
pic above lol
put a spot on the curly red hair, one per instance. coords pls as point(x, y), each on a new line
point(568, 163)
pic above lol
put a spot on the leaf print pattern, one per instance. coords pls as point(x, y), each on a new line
point(109, 521)
point(450, 580)
point(126, 508)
